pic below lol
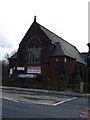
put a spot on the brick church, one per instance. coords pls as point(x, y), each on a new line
point(43, 53)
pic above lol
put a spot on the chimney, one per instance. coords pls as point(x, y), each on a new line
point(34, 18)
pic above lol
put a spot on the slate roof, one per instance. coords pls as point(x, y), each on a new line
point(61, 47)
point(13, 56)
point(84, 55)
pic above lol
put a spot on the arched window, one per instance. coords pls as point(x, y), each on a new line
point(34, 49)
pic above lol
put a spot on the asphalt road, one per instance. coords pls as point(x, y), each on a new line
point(70, 108)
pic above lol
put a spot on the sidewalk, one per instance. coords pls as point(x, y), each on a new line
point(70, 93)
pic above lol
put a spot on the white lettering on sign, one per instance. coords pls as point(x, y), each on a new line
point(20, 68)
point(34, 69)
point(11, 71)
point(27, 76)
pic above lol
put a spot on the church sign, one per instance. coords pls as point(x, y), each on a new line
point(34, 69)
point(27, 76)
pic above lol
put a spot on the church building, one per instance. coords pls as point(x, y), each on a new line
point(43, 54)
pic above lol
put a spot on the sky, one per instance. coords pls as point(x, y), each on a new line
point(66, 18)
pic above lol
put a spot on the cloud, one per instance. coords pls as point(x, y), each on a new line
point(4, 42)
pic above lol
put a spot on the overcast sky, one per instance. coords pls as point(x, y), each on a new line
point(66, 18)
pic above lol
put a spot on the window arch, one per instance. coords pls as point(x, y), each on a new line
point(34, 49)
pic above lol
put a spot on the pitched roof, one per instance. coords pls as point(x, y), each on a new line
point(63, 48)
point(84, 55)
point(13, 56)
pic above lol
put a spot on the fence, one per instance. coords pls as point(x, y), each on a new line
point(47, 85)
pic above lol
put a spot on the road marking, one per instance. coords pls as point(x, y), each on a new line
point(55, 104)
point(81, 116)
point(10, 99)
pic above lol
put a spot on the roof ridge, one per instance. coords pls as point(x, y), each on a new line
point(54, 34)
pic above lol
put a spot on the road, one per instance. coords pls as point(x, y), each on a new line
point(40, 105)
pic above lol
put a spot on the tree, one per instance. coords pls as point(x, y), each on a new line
point(12, 53)
point(6, 56)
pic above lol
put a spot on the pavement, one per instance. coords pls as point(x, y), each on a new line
point(33, 96)
point(67, 92)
